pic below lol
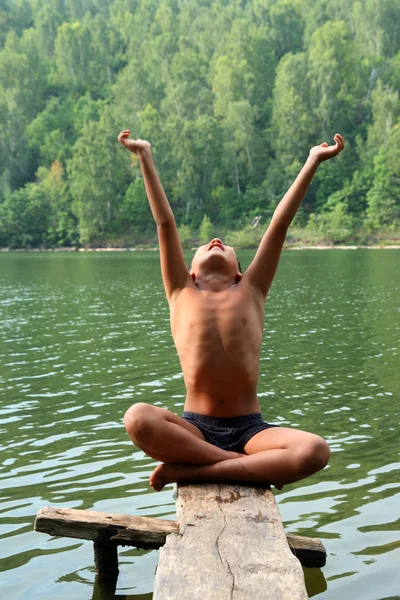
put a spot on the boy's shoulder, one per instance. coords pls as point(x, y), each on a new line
point(241, 291)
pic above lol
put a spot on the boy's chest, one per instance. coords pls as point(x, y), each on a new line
point(227, 317)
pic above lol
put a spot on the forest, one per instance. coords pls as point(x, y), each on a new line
point(231, 94)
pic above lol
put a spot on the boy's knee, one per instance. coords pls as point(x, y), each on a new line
point(137, 420)
point(323, 453)
point(314, 456)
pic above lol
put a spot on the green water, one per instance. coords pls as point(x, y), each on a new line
point(83, 336)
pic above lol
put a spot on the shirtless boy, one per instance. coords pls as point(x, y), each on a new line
point(217, 316)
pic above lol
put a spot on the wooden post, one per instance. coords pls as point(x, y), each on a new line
point(228, 536)
point(144, 532)
point(106, 565)
point(231, 545)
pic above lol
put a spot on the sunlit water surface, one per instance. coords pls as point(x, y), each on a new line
point(83, 336)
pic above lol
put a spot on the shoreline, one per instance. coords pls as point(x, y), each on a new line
point(155, 249)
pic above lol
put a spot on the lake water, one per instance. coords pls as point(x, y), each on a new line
point(85, 335)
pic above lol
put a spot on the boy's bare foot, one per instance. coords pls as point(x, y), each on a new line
point(170, 473)
point(173, 472)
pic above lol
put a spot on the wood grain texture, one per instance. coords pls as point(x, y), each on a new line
point(310, 552)
point(144, 532)
point(232, 546)
point(141, 532)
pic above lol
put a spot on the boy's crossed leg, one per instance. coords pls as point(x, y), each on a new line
point(168, 438)
point(276, 455)
point(273, 456)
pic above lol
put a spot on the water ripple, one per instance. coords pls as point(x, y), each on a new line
point(83, 337)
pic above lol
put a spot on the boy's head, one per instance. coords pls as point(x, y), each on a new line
point(216, 257)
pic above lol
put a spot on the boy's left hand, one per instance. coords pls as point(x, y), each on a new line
point(138, 147)
point(323, 151)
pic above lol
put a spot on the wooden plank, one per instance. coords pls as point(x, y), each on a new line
point(310, 552)
point(145, 532)
point(232, 545)
point(141, 532)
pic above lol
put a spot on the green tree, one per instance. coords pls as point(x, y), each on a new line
point(186, 235)
point(384, 197)
point(22, 88)
point(287, 26)
point(206, 230)
point(335, 78)
point(187, 91)
point(230, 94)
point(187, 157)
point(97, 171)
point(385, 111)
point(39, 214)
point(334, 224)
point(61, 225)
point(49, 15)
point(232, 85)
point(51, 133)
point(292, 121)
point(24, 217)
point(15, 15)
point(135, 211)
point(376, 26)
point(88, 54)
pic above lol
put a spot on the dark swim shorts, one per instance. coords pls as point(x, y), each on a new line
point(228, 433)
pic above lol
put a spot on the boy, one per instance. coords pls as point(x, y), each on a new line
point(217, 316)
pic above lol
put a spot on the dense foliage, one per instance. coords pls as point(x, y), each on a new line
point(231, 94)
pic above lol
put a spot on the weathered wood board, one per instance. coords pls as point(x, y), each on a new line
point(310, 552)
point(231, 546)
point(141, 532)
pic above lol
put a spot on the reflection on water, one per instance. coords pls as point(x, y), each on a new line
point(99, 593)
point(315, 581)
point(83, 336)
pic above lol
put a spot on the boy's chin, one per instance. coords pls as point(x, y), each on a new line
point(215, 257)
point(216, 263)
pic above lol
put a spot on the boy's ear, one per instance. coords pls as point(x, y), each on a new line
point(238, 277)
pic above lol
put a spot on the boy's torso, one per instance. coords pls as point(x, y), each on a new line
point(218, 339)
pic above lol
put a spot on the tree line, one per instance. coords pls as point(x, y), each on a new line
point(230, 93)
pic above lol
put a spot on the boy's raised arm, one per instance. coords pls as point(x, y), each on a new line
point(263, 267)
point(173, 268)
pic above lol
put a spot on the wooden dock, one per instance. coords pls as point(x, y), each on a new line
point(232, 545)
point(227, 543)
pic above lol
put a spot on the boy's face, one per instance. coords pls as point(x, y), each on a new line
point(215, 255)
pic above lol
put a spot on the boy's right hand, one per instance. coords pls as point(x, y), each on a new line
point(138, 147)
point(324, 152)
